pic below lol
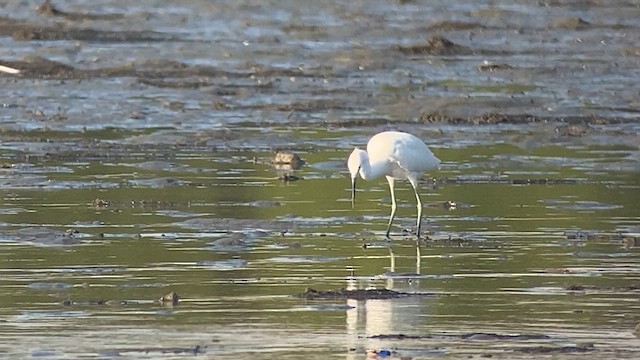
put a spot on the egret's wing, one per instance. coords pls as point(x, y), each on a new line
point(412, 155)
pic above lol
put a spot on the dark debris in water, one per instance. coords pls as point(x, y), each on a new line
point(449, 25)
point(627, 240)
point(358, 294)
point(513, 338)
point(498, 118)
point(490, 118)
point(466, 336)
point(171, 299)
point(456, 241)
point(99, 203)
point(501, 180)
point(70, 302)
point(573, 130)
point(580, 348)
point(194, 350)
point(287, 178)
point(493, 67)
point(627, 288)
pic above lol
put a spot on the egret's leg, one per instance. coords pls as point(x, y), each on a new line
point(392, 258)
point(394, 206)
point(418, 258)
point(414, 184)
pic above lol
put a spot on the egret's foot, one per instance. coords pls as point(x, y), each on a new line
point(410, 232)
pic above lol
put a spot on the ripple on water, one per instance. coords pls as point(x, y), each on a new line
point(232, 224)
point(224, 265)
point(156, 182)
point(49, 286)
point(303, 259)
point(31, 315)
point(579, 205)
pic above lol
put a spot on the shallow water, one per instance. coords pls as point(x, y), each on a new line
point(115, 191)
point(237, 243)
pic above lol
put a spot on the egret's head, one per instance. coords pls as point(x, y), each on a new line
point(354, 164)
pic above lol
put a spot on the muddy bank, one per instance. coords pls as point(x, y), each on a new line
point(42, 236)
point(150, 72)
point(357, 294)
point(509, 343)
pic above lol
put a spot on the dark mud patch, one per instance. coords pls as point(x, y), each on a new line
point(448, 25)
point(159, 73)
point(436, 45)
point(27, 31)
point(170, 299)
point(629, 288)
point(184, 84)
point(359, 294)
point(584, 235)
point(41, 236)
point(48, 9)
point(571, 23)
point(467, 336)
point(437, 117)
point(194, 350)
point(573, 130)
point(504, 339)
point(493, 67)
point(99, 204)
point(582, 348)
point(498, 118)
point(70, 302)
point(502, 180)
point(446, 241)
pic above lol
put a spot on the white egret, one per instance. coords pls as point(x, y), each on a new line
point(397, 156)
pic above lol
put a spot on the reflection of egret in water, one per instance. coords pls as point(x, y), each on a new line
point(383, 316)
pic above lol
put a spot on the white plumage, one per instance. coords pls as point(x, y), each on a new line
point(397, 156)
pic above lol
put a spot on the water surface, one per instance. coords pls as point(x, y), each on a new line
point(119, 188)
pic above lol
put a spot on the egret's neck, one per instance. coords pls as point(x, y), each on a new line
point(369, 170)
